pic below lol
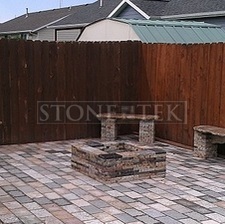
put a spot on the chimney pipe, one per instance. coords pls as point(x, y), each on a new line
point(27, 12)
point(100, 3)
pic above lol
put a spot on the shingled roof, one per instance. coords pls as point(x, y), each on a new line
point(89, 13)
point(81, 14)
point(179, 7)
point(151, 7)
point(34, 21)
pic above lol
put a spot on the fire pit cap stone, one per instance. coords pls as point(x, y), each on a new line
point(122, 116)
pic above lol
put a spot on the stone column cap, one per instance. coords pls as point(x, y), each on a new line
point(122, 116)
point(209, 129)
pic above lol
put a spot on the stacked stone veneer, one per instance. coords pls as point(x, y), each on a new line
point(146, 126)
point(146, 131)
point(206, 140)
point(118, 161)
point(108, 129)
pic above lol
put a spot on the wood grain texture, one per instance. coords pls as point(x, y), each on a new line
point(113, 72)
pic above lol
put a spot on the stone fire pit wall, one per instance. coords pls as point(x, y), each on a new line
point(118, 161)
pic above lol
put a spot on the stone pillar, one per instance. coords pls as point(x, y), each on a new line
point(108, 129)
point(203, 146)
point(146, 131)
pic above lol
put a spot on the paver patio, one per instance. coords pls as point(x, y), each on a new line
point(38, 185)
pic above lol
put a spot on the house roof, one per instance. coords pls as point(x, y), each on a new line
point(165, 8)
point(34, 21)
point(84, 14)
point(180, 32)
point(89, 13)
point(81, 14)
point(178, 7)
point(151, 7)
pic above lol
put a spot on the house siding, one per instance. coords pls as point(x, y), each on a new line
point(45, 34)
point(67, 35)
point(129, 13)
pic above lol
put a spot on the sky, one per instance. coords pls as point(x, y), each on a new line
point(9, 9)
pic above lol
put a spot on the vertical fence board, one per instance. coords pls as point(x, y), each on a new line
point(184, 87)
point(204, 84)
point(31, 92)
point(61, 85)
point(195, 87)
point(6, 93)
point(45, 79)
point(160, 76)
point(51, 93)
point(214, 87)
point(14, 104)
point(222, 96)
point(2, 64)
point(38, 89)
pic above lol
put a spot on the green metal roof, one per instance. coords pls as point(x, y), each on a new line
point(179, 32)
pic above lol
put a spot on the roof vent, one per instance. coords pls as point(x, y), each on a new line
point(100, 3)
point(27, 12)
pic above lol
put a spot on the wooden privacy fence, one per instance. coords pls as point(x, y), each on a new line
point(127, 71)
point(191, 73)
point(49, 71)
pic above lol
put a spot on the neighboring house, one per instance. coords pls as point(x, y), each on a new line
point(83, 16)
point(65, 24)
point(31, 26)
point(209, 11)
point(44, 25)
point(153, 31)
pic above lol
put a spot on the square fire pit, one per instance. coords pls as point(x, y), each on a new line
point(118, 160)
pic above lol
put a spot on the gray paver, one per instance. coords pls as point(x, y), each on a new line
point(126, 199)
point(153, 213)
point(99, 203)
point(168, 220)
point(133, 212)
point(197, 216)
point(175, 215)
point(146, 219)
point(125, 218)
point(91, 209)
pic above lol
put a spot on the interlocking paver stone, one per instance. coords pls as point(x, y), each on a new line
point(146, 219)
point(90, 209)
point(197, 216)
point(126, 199)
point(133, 212)
point(61, 202)
point(125, 218)
point(216, 217)
point(39, 186)
point(175, 215)
point(99, 203)
point(23, 199)
point(42, 201)
point(168, 220)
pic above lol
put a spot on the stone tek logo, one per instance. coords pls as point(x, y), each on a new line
point(77, 112)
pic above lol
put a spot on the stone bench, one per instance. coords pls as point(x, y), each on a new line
point(109, 123)
point(206, 140)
